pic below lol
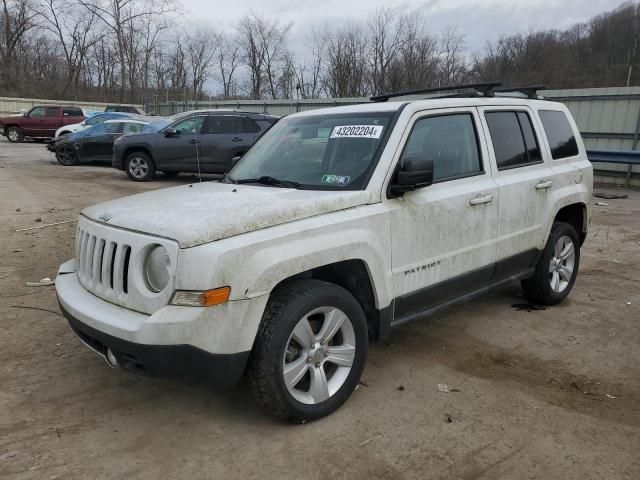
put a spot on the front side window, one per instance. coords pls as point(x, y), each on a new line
point(513, 139)
point(559, 133)
point(190, 125)
point(449, 141)
point(320, 152)
point(115, 127)
point(37, 112)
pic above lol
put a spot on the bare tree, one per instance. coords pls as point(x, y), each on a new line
point(228, 60)
point(16, 19)
point(123, 18)
point(385, 40)
point(264, 51)
point(452, 63)
point(202, 48)
point(75, 32)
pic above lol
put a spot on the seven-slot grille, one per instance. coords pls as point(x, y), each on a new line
point(102, 263)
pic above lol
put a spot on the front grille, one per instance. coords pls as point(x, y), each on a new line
point(109, 263)
point(102, 262)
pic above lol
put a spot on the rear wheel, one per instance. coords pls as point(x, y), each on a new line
point(14, 135)
point(557, 268)
point(140, 167)
point(309, 352)
point(66, 155)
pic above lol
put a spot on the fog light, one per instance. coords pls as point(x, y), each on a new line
point(111, 359)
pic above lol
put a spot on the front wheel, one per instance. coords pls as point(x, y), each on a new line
point(14, 135)
point(557, 269)
point(309, 352)
point(140, 167)
point(66, 155)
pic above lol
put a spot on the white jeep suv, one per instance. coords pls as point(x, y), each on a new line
point(337, 226)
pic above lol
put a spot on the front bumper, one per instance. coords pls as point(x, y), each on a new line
point(179, 362)
point(211, 344)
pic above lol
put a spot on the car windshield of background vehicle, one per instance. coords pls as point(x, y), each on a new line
point(320, 152)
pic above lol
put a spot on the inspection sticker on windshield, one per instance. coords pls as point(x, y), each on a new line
point(357, 131)
point(336, 179)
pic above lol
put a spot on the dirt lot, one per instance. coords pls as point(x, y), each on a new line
point(545, 394)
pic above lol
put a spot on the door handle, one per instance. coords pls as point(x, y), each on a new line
point(194, 141)
point(480, 200)
point(544, 184)
point(236, 139)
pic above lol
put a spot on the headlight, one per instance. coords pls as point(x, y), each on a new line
point(157, 268)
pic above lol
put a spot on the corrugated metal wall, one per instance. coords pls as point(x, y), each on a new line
point(10, 106)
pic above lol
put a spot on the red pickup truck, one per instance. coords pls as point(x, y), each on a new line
point(39, 122)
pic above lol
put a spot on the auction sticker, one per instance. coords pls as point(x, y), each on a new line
point(336, 179)
point(357, 131)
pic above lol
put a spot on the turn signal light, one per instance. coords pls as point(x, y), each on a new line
point(208, 298)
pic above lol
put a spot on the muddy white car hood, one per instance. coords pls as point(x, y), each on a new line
point(205, 212)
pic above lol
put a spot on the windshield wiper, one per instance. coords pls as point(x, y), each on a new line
point(267, 180)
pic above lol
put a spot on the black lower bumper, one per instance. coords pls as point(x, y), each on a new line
point(180, 362)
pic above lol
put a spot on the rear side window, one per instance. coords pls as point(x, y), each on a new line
point(52, 111)
point(72, 112)
point(130, 127)
point(513, 138)
point(450, 141)
point(223, 124)
point(562, 141)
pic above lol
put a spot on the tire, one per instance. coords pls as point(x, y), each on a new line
point(309, 394)
point(557, 268)
point(140, 167)
point(14, 134)
point(67, 156)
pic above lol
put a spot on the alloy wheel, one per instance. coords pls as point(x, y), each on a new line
point(138, 167)
point(562, 264)
point(319, 355)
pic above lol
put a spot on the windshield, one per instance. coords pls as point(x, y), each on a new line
point(324, 152)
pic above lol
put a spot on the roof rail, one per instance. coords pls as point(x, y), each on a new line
point(485, 89)
point(531, 91)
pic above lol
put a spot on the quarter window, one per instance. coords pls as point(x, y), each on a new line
point(72, 112)
point(249, 125)
point(559, 133)
point(450, 141)
point(513, 138)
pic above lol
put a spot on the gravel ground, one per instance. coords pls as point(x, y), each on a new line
point(552, 394)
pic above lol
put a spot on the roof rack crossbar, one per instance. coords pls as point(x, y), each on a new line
point(531, 91)
point(485, 88)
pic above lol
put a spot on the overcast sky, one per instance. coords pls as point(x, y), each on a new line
point(480, 20)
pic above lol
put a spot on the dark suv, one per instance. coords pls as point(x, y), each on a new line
point(202, 141)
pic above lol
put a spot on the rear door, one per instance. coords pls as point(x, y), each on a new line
point(51, 121)
point(180, 152)
point(525, 182)
point(224, 138)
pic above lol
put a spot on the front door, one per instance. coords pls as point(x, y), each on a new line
point(181, 152)
point(443, 236)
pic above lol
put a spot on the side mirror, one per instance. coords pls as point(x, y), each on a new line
point(236, 159)
point(170, 132)
point(415, 173)
point(25, 114)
